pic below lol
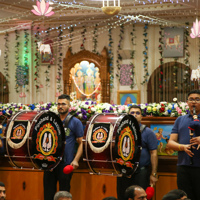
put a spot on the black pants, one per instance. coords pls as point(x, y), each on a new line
point(188, 180)
point(141, 177)
point(50, 181)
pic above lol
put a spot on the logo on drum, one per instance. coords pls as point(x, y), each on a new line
point(126, 147)
point(46, 143)
point(18, 132)
point(99, 136)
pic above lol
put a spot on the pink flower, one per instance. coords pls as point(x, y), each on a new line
point(58, 94)
point(42, 8)
point(195, 29)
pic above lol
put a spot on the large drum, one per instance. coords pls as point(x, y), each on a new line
point(112, 144)
point(34, 140)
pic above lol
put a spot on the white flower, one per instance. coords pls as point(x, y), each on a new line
point(172, 114)
point(174, 99)
point(80, 116)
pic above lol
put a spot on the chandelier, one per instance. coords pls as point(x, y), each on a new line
point(111, 9)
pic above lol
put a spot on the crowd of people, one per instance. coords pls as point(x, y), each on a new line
point(184, 138)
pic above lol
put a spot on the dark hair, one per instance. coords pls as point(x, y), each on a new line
point(2, 184)
point(134, 106)
point(64, 96)
point(110, 198)
point(194, 92)
point(130, 191)
point(174, 195)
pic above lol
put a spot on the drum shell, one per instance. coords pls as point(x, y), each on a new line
point(26, 155)
point(105, 162)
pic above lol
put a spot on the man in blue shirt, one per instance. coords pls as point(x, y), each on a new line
point(188, 166)
point(148, 160)
point(73, 134)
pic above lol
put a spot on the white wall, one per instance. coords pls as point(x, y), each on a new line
point(48, 93)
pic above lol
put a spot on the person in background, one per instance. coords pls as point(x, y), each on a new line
point(73, 133)
point(62, 195)
point(175, 195)
point(2, 191)
point(188, 169)
point(110, 198)
point(146, 174)
point(135, 192)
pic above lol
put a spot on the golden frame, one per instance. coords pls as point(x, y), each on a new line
point(128, 96)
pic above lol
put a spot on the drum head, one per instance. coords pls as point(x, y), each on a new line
point(48, 139)
point(128, 145)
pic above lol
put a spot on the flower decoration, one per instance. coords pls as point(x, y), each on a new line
point(195, 30)
point(42, 8)
point(85, 109)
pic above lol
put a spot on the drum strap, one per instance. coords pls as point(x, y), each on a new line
point(142, 127)
point(67, 119)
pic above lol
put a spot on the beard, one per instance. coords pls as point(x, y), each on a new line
point(62, 111)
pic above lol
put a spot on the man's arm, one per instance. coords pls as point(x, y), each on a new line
point(154, 165)
point(79, 152)
point(1, 143)
point(173, 144)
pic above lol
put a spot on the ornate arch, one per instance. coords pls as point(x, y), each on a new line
point(100, 61)
point(174, 83)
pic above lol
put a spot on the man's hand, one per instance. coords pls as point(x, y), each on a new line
point(153, 180)
point(75, 164)
point(195, 141)
point(187, 149)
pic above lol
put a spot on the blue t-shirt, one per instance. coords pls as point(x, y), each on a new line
point(74, 130)
point(181, 128)
point(149, 142)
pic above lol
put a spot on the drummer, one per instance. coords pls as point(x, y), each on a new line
point(146, 174)
point(73, 132)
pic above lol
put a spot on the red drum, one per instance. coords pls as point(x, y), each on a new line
point(112, 144)
point(35, 140)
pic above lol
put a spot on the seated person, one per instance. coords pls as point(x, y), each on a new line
point(135, 192)
point(62, 195)
point(176, 194)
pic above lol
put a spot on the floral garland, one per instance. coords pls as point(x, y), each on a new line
point(186, 77)
point(59, 72)
point(26, 51)
point(110, 52)
point(132, 56)
point(17, 56)
point(145, 53)
point(71, 37)
point(119, 57)
point(36, 74)
point(160, 48)
point(85, 109)
point(94, 39)
point(47, 72)
point(6, 60)
point(83, 38)
point(175, 70)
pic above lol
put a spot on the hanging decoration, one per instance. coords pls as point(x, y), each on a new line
point(83, 38)
point(42, 8)
point(71, 37)
point(59, 65)
point(36, 74)
point(26, 51)
point(110, 52)
point(195, 30)
point(111, 10)
point(145, 53)
point(6, 60)
point(17, 45)
point(160, 48)
point(186, 77)
point(94, 39)
point(132, 56)
point(21, 76)
point(119, 47)
point(175, 76)
point(47, 72)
